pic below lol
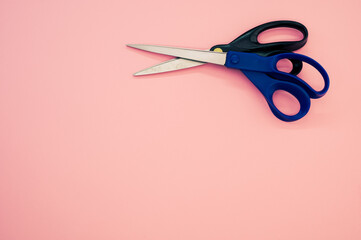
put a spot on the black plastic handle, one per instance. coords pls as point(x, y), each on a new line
point(248, 42)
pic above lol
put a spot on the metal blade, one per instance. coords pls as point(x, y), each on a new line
point(197, 55)
point(168, 66)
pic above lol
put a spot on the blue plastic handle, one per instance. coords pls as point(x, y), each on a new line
point(263, 73)
point(267, 86)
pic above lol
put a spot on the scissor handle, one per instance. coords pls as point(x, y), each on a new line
point(294, 79)
point(296, 64)
point(262, 71)
point(268, 86)
point(248, 42)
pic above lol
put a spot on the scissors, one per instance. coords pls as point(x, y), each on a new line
point(257, 61)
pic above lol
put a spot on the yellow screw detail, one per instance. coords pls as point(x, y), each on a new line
point(217, 50)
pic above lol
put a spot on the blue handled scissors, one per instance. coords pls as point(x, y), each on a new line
point(257, 62)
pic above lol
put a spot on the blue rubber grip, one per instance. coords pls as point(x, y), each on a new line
point(267, 86)
point(263, 73)
point(254, 62)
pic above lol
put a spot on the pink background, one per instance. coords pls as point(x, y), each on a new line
point(87, 151)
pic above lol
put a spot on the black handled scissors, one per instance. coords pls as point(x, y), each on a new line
point(261, 70)
point(247, 42)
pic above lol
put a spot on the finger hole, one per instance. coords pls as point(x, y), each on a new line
point(312, 76)
point(286, 102)
point(309, 73)
point(280, 34)
point(284, 65)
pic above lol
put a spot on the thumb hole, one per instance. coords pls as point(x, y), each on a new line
point(280, 34)
point(286, 102)
point(284, 65)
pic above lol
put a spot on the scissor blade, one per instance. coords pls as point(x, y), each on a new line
point(197, 55)
point(168, 66)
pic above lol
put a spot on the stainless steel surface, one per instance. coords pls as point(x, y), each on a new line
point(197, 55)
point(170, 65)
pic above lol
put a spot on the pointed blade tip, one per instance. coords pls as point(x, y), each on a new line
point(140, 73)
point(134, 45)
